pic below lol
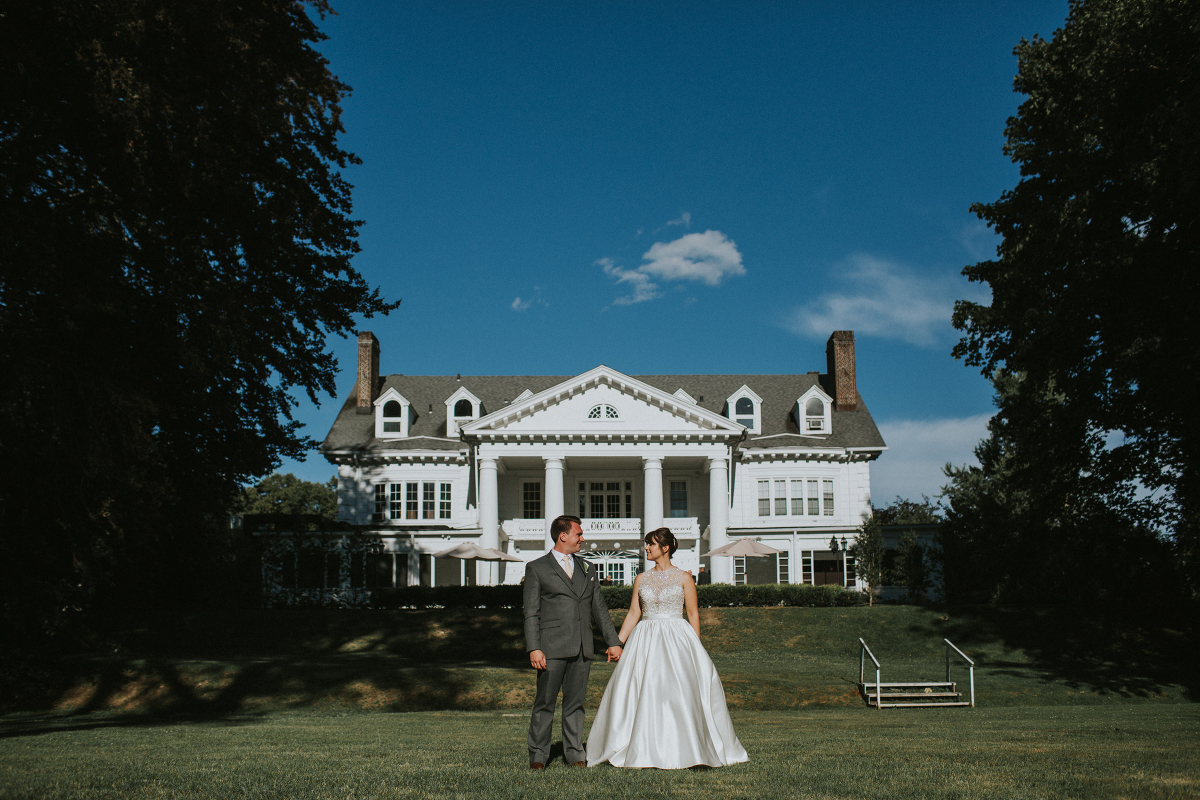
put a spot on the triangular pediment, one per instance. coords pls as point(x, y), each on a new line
point(602, 400)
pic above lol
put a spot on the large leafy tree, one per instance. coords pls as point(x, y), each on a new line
point(1094, 286)
point(287, 494)
point(176, 243)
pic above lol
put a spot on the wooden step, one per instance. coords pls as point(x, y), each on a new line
point(885, 684)
point(923, 705)
point(890, 695)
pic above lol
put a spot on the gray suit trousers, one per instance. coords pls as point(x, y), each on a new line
point(571, 676)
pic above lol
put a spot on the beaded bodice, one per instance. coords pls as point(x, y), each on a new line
point(661, 593)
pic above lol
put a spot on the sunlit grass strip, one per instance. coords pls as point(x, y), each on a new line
point(1141, 751)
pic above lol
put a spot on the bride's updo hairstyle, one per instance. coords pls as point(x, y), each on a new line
point(663, 538)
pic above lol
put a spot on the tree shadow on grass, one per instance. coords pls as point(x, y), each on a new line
point(228, 665)
point(1110, 651)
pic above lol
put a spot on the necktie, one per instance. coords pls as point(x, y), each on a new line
point(568, 566)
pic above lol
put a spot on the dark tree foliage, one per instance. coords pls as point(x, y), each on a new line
point(909, 512)
point(1032, 522)
point(176, 242)
point(287, 494)
point(1094, 287)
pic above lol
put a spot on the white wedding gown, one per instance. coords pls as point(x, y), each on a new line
point(664, 705)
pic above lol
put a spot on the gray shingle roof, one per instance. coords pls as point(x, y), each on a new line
point(354, 431)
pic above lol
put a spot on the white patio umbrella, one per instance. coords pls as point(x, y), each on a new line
point(472, 550)
point(743, 547)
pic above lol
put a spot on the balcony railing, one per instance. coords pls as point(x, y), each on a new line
point(622, 528)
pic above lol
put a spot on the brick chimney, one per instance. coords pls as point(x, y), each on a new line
point(839, 359)
point(368, 372)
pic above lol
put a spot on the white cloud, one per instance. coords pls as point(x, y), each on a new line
point(521, 305)
point(888, 301)
point(684, 219)
point(707, 257)
point(524, 304)
point(643, 288)
point(917, 451)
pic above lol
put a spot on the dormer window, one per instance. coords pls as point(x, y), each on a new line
point(744, 411)
point(603, 411)
point(812, 412)
point(461, 408)
point(746, 408)
point(393, 415)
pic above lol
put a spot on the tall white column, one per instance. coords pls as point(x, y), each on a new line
point(653, 512)
point(718, 518)
point(489, 514)
point(554, 493)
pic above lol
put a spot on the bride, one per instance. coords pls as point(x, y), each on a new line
point(664, 706)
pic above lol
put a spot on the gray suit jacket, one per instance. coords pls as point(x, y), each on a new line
point(559, 612)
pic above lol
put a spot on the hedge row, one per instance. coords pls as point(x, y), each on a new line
point(715, 595)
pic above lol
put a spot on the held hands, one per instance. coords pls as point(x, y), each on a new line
point(537, 659)
point(614, 653)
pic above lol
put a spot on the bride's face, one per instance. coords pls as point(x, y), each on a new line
point(654, 551)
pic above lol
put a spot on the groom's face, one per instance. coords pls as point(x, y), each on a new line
point(571, 541)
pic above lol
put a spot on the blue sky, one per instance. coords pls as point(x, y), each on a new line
point(683, 187)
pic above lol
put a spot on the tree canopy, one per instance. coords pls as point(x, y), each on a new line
point(1092, 315)
point(176, 237)
point(287, 494)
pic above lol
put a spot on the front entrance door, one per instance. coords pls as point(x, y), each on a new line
point(828, 568)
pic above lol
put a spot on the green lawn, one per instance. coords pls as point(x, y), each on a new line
point(1141, 750)
point(769, 659)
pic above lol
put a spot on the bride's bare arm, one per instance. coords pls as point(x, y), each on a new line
point(690, 605)
point(635, 613)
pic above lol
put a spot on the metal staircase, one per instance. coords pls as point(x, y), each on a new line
point(912, 694)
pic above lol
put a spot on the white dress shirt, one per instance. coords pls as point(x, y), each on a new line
point(566, 561)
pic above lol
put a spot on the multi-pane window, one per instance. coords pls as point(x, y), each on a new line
point(396, 501)
point(381, 499)
point(445, 506)
point(392, 416)
point(850, 575)
point(531, 500)
point(603, 411)
point(739, 570)
point(814, 414)
point(428, 500)
point(606, 499)
point(678, 498)
point(788, 497)
point(411, 503)
point(616, 572)
point(744, 411)
point(806, 566)
point(783, 562)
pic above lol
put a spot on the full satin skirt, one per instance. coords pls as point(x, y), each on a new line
point(664, 705)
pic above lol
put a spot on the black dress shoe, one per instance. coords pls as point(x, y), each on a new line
point(537, 765)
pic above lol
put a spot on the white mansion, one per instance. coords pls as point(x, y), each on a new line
point(427, 462)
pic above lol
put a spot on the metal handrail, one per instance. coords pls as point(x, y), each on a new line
point(970, 665)
point(862, 666)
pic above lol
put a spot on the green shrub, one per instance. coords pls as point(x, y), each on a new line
point(619, 597)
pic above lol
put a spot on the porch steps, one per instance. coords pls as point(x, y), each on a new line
point(912, 694)
point(927, 692)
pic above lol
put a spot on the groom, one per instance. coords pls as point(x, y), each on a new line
point(562, 600)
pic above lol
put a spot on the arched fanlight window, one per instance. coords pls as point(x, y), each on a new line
point(814, 414)
point(392, 413)
point(603, 411)
point(463, 408)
